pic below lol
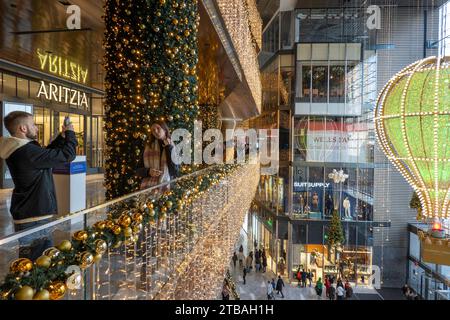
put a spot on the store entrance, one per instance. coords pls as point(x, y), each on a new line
point(352, 264)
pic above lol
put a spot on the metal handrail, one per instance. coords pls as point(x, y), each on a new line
point(17, 235)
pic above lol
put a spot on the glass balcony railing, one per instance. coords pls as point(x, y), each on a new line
point(146, 245)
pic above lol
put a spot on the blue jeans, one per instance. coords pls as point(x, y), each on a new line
point(32, 246)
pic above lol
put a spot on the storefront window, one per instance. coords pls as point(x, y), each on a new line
point(42, 119)
point(319, 83)
point(287, 30)
point(299, 192)
point(34, 89)
point(337, 83)
point(304, 79)
point(22, 88)
point(315, 192)
point(9, 85)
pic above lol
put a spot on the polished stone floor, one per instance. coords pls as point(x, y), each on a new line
point(95, 194)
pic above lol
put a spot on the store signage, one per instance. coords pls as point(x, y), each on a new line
point(311, 184)
point(332, 142)
point(63, 94)
point(62, 67)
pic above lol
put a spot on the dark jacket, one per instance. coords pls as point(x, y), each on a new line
point(31, 166)
point(280, 284)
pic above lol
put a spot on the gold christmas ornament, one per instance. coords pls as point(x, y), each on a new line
point(116, 230)
point(25, 265)
point(124, 220)
point(24, 293)
point(128, 231)
point(57, 290)
point(65, 245)
point(51, 252)
point(100, 246)
point(80, 235)
point(109, 224)
point(42, 295)
point(137, 217)
point(100, 225)
point(86, 259)
point(21, 265)
point(43, 262)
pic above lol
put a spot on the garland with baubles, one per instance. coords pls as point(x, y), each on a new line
point(60, 268)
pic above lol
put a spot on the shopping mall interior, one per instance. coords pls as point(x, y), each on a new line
point(223, 146)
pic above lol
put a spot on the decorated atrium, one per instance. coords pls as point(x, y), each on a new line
point(224, 150)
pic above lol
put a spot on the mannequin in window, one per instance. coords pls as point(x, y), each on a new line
point(302, 203)
point(346, 205)
point(315, 202)
point(328, 205)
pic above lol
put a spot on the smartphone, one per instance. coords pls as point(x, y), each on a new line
point(66, 121)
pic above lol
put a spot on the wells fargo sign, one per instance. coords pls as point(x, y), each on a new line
point(62, 67)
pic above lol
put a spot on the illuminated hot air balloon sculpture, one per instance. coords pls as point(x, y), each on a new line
point(412, 124)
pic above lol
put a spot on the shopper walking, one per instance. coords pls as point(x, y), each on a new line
point(264, 261)
point(327, 286)
point(319, 287)
point(309, 276)
point(257, 261)
point(270, 295)
point(257, 264)
point(280, 285)
point(244, 273)
point(241, 257)
point(248, 262)
point(348, 289)
point(234, 259)
point(273, 283)
point(299, 277)
point(332, 292)
point(303, 278)
point(340, 292)
point(33, 200)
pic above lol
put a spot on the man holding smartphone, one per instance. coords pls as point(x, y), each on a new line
point(33, 201)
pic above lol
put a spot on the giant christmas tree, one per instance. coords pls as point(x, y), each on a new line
point(150, 62)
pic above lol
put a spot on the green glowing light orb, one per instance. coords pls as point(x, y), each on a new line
point(412, 124)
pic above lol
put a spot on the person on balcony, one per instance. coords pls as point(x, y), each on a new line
point(157, 166)
point(33, 200)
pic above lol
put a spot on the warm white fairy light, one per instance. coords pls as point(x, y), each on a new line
point(203, 269)
point(412, 174)
point(240, 24)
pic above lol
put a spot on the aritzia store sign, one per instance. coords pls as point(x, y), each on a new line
point(62, 94)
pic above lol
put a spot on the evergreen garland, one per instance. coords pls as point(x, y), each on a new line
point(124, 222)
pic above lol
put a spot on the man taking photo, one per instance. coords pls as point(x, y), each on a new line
point(33, 201)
